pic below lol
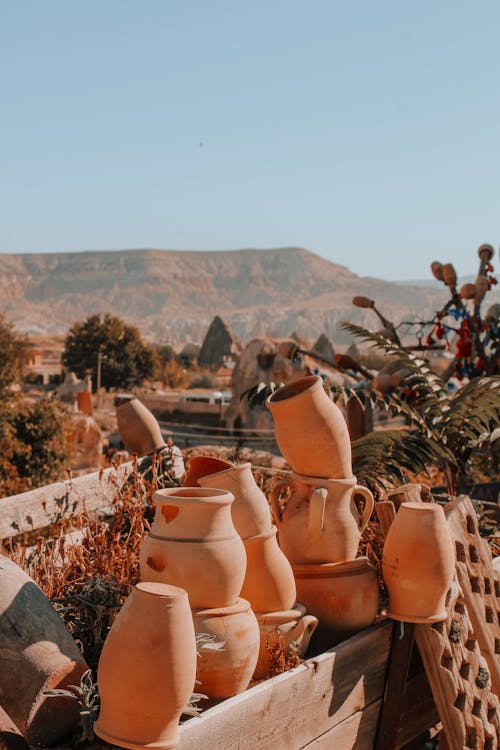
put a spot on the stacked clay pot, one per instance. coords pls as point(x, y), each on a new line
point(269, 583)
point(193, 544)
point(320, 527)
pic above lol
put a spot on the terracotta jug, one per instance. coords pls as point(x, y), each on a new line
point(418, 563)
point(269, 584)
point(138, 428)
point(310, 429)
point(286, 630)
point(320, 522)
point(343, 596)
point(225, 667)
point(250, 510)
point(147, 669)
point(193, 544)
point(200, 466)
point(37, 653)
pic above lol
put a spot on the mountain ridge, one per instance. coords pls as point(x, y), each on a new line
point(173, 295)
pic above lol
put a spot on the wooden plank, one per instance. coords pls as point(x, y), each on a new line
point(37, 509)
point(296, 707)
point(357, 732)
point(397, 674)
point(418, 713)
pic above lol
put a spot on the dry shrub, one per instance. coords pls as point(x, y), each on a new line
point(281, 658)
point(88, 580)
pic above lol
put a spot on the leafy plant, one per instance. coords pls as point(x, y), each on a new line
point(443, 428)
point(87, 696)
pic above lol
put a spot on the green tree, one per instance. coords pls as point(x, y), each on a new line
point(125, 359)
point(13, 354)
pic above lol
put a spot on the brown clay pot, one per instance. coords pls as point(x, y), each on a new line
point(320, 522)
point(343, 596)
point(193, 544)
point(36, 654)
point(146, 672)
point(200, 466)
point(310, 429)
point(418, 563)
point(269, 584)
point(138, 428)
point(226, 671)
point(250, 511)
point(284, 630)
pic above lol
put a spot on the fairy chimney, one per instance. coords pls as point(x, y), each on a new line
point(220, 343)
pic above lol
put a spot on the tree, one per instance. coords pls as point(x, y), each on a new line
point(125, 360)
point(13, 354)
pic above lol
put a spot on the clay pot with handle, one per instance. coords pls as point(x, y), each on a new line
point(283, 630)
point(320, 522)
point(310, 429)
point(193, 544)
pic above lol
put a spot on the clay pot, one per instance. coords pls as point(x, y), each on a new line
point(418, 563)
point(449, 275)
point(138, 427)
point(343, 596)
point(226, 671)
point(250, 511)
point(146, 672)
point(200, 466)
point(310, 429)
point(285, 630)
point(269, 584)
point(36, 654)
point(193, 544)
point(320, 522)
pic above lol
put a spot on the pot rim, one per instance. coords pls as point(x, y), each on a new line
point(295, 389)
point(421, 505)
point(333, 570)
point(155, 588)
point(240, 606)
point(192, 495)
point(232, 467)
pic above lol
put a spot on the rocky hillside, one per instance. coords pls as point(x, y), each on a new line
point(173, 296)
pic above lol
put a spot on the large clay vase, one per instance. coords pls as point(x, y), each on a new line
point(226, 665)
point(138, 428)
point(418, 563)
point(284, 631)
point(193, 544)
point(310, 429)
point(250, 510)
point(36, 654)
point(320, 522)
point(269, 584)
point(146, 672)
point(343, 596)
point(200, 466)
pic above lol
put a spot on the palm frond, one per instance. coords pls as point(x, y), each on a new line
point(474, 413)
point(382, 459)
point(430, 393)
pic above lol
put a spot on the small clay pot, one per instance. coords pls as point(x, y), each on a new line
point(343, 596)
point(310, 429)
point(226, 671)
point(138, 428)
point(193, 544)
point(418, 563)
point(269, 584)
point(146, 672)
point(286, 631)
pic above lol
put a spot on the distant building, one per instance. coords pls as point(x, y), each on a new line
point(46, 363)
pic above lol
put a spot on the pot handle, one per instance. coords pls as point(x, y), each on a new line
point(369, 505)
point(274, 501)
point(317, 508)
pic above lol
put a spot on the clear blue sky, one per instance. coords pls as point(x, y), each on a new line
point(367, 132)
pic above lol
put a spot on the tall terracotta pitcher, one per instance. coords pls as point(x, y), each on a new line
point(193, 544)
point(310, 429)
point(138, 427)
point(320, 523)
point(147, 669)
point(250, 509)
point(418, 563)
